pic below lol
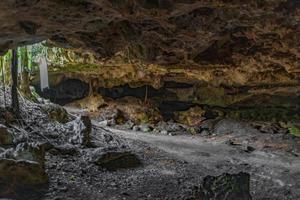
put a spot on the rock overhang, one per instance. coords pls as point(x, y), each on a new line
point(201, 32)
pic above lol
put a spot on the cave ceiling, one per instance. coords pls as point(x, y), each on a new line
point(245, 40)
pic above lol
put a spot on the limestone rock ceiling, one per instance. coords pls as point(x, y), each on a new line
point(201, 32)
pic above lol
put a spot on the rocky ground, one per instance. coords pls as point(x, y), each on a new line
point(52, 154)
point(173, 167)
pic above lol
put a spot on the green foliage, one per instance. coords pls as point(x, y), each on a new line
point(274, 114)
point(5, 62)
point(293, 130)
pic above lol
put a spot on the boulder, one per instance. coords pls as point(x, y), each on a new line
point(29, 152)
point(145, 128)
point(90, 103)
point(129, 125)
point(192, 117)
point(65, 149)
point(22, 180)
point(136, 128)
point(22, 173)
point(169, 128)
point(225, 187)
point(115, 159)
point(228, 126)
point(131, 108)
point(6, 137)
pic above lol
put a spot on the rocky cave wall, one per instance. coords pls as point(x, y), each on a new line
point(235, 53)
point(225, 33)
point(169, 90)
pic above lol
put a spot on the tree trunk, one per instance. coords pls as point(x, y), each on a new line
point(14, 86)
point(25, 89)
point(3, 79)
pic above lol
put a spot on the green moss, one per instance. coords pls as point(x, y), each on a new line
point(293, 130)
point(75, 68)
point(192, 130)
point(263, 114)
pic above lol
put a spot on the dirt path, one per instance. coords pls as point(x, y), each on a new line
point(198, 150)
point(173, 164)
point(282, 168)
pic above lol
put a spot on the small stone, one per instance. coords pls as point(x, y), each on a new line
point(249, 149)
point(58, 198)
point(103, 123)
point(164, 132)
point(135, 128)
point(63, 189)
point(232, 143)
point(129, 125)
point(205, 132)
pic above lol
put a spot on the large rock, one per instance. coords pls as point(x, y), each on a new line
point(22, 180)
point(115, 159)
point(30, 152)
point(133, 109)
point(6, 137)
point(192, 117)
point(225, 187)
point(22, 173)
point(228, 126)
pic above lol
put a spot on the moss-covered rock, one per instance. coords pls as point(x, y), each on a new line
point(56, 113)
point(22, 180)
point(193, 116)
point(134, 110)
point(91, 103)
point(22, 173)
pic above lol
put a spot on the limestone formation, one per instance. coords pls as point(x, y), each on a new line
point(257, 38)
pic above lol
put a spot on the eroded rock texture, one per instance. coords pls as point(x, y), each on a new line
point(232, 52)
point(246, 35)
